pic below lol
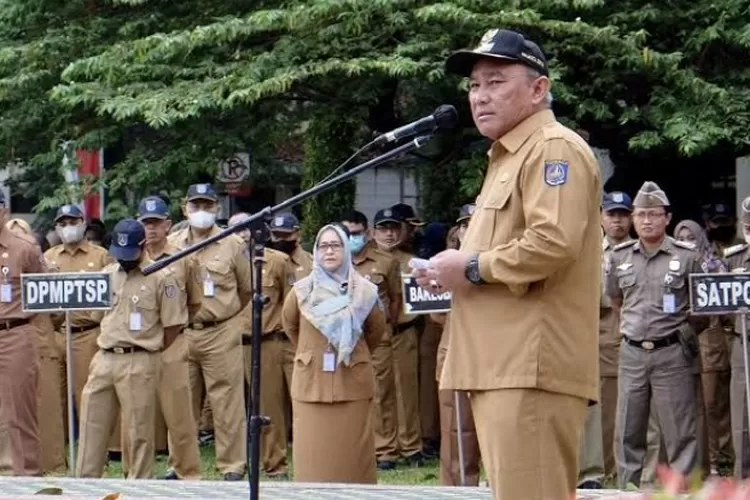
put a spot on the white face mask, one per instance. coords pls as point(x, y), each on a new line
point(71, 234)
point(201, 219)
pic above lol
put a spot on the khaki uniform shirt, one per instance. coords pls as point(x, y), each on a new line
point(19, 254)
point(85, 257)
point(187, 275)
point(278, 278)
point(225, 264)
point(302, 263)
point(384, 271)
point(642, 282)
point(403, 260)
point(609, 324)
point(347, 383)
point(536, 228)
point(155, 298)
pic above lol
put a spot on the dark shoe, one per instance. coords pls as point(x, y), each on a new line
point(590, 485)
point(205, 438)
point(416, 460)
point(386, 465)
point(233, 476)
point(279, 476)
point(171, 475)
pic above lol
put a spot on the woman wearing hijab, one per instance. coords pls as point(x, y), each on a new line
point(715, 359)
point(334, 319)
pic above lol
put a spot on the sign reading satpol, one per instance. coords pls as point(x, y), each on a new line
point(419, 301)
point(56, 292)
point(725, 293)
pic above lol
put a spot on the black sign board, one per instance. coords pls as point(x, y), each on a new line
point(57, 292)
point(723, 293)
point(419, 301)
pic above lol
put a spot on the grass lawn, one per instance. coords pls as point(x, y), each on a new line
point(426, 475)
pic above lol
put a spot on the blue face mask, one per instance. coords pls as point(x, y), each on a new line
point(356, 243)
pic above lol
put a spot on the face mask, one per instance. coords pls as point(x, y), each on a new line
point(128, 265)
point(71, 234)
point(283, 246)
point(202, 219)
point(357, 243)
point(721, 233)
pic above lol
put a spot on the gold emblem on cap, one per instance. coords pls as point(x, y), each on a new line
point(486, 43)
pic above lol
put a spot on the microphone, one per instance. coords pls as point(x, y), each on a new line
point(443, 118)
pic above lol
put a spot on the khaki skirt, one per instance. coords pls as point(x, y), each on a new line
point(334, 442)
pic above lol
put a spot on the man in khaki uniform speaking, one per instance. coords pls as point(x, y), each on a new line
point(526, 281)
point(214, 343)
point(647, 280)
point(146, 317)
point(75, 254)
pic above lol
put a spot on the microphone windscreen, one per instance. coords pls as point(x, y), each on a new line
point(446, 117)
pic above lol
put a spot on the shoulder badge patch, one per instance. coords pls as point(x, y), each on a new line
point(735, 249)
point(170, 291)
point(684, 244)
point(624, 244)
point(555, 172)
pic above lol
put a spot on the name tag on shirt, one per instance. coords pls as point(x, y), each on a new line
point(329, 361)
point(669, 304)
point(208, 288)
point(6, 292)
point(136, 322)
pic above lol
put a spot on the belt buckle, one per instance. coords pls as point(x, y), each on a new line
point(118, 350)
point(647, 345)
point(198, 326)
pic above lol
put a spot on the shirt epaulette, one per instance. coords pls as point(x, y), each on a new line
point(684, 244)
point(624, 244)
point(734, 250)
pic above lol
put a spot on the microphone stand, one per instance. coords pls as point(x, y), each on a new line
point(257, 421)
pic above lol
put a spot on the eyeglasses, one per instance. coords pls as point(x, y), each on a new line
point(648, 215)
point(324, 247)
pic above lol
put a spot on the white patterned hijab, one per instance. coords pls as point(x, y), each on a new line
point(337, 303)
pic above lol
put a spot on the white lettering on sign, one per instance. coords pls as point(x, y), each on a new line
point(723, 294)
point(420, 295)
point(63, 292)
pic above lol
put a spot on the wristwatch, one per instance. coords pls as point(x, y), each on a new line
point(472, 271)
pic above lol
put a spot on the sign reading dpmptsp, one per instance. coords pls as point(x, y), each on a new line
point(54, 292)
point(725, 293)
point(419, 301)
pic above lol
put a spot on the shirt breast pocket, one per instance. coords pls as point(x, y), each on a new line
point(675, 283)
point(626, 280)
point(147, 306)
point(221, 274)
point(491, 224)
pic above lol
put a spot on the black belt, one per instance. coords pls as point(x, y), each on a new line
point(280, 336)
point(81, 329)
point(9, 324)
point(650, 345)
point(202, 325)
point(127, 350)
point(405, 326)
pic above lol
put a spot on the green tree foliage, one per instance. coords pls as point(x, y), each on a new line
point(179, 85)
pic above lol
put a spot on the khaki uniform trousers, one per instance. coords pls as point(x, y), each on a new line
point(127, 382)
point(608, 402)
point(661, 382)
point(275, 381)
point(429, 408)
point(406, 375)
point(450, 469)
point(84, 348)
point(20, 451)
point(216, 363)
point(538, 460)
point(385, 423)
point(175, 411)
point(591, 456)
point(51, 402)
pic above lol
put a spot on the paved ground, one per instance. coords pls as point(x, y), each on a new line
point(96, 489)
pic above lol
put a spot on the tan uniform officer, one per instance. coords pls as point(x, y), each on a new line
point(146, 316)
point(405, 345)
point(524, 316)
point(738, 261)
point(214, 342)
point(174, 395)
point(450, 468)
point(285, 237)
point(383, 270)
point(647, 280)
point(20, 453)
point(275, 375)
point(49, 394)
point(75, 254)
